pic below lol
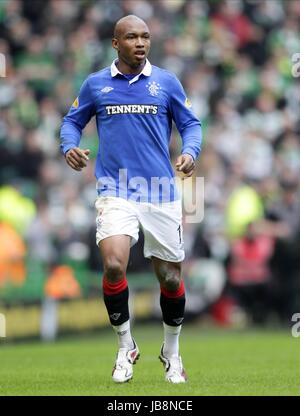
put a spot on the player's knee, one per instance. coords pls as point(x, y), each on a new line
point(113, 269)
point(171, 279)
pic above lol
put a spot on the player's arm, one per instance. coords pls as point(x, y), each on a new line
point(80, 113)
point(188, 126)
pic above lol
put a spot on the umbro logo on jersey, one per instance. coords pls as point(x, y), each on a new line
point(105, 90)
point(115, 316)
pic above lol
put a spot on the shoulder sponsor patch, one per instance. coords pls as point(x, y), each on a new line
point(76, 103)
point(187, 103)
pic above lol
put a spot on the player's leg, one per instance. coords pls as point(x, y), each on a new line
point(117, 231)
point(115, 254)
point(172, 302)
point(162, 229)
point(114, 251)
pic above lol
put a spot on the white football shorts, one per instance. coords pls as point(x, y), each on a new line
point(160, 223)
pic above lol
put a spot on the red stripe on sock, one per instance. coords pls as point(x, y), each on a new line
point(114, 288)
point(173, 294)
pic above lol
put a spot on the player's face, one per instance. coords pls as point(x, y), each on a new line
point(133, 44)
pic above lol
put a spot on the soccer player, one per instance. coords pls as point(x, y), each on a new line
point(134, 103)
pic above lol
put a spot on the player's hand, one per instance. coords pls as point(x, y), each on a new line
point(77, 158)
point(186, 164)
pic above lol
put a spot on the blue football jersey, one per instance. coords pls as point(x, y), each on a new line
point(134, 116)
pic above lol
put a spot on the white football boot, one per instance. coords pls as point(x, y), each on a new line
point(175, 372)
point(123, 368)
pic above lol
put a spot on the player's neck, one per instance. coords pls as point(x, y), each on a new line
point(126, 69)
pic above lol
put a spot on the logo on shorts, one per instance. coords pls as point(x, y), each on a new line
point(115, 316)
point(178, 321)
point(99, 222)
point(99, 219)
point(153, 88)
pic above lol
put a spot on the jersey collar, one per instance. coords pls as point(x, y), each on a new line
point(146, 70)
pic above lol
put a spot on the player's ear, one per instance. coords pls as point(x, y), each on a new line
point(115, 43)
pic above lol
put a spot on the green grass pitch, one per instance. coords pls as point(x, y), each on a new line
point(218, 362)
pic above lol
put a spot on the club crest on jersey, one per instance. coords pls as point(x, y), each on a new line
point(105, 90)
point(153, 88)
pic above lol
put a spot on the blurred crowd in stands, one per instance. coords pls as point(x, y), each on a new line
point(234, 59)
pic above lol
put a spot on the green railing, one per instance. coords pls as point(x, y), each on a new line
point(90, 282)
